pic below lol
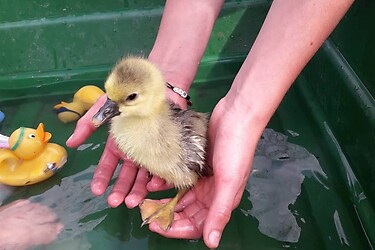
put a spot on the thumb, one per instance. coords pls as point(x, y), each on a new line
point(219, 214)
point(84, 126)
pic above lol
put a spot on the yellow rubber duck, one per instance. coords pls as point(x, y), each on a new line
point(26, 157)
point(83, 100)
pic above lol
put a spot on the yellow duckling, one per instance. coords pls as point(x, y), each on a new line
point(83, 100)
point(155, 134)
point(26, 157)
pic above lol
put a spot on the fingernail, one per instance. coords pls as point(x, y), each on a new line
point(214, 238)
point(97, 189)
point(70, 137)
point(130, 202)
point(113, 203)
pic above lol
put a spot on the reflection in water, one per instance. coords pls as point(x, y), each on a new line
point(279, 169)
point(84, 146)
point(340, 229)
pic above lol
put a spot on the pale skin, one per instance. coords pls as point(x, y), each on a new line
point(291, 34)
point(25, 224)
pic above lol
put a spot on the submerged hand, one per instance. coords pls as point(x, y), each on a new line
point(25, 224)
point(206, 209)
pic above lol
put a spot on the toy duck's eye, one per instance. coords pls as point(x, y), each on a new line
point(32, 136)
point(131, 97)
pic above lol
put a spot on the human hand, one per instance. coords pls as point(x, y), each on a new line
point(132, 183)
point(25, 224)
point(206, 209)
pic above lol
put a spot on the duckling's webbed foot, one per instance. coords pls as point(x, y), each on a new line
point(162, 214)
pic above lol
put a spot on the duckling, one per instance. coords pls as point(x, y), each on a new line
point(157, 135)
point(83, 100)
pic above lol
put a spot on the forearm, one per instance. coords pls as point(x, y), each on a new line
point(291, 34)
point(183, 35)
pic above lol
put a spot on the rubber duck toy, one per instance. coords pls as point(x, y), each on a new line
point(155, 134)
point(83, 100)
point(2, 116)
point(26, 157)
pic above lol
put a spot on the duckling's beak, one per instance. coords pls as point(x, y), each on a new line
point(107, 111)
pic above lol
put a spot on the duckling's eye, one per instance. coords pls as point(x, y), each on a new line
point(131, 97)
point(31, 136)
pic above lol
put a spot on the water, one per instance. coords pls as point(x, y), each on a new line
point(279, 169)
point(73, 203)
point(2, 116)
point(292, 199)
point(5, 192)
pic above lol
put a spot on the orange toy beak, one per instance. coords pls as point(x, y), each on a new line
point(43, 136)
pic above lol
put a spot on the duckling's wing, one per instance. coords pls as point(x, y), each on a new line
point(194, 138)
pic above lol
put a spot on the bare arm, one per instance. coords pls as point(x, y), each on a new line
point(182, 39)
point(290, 36)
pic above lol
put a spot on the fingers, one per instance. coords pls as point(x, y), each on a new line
point(186, 200)
point(139, 190)
point(106, 167)
point(130, 178)
point(123, 184)
point(187, 224)
point(219, 214)
point(84, 126)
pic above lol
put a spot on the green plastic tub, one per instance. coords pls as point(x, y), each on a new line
point(49, 49)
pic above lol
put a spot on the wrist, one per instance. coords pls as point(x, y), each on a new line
point(178, 74)
point(242, 110)
point(175, 77)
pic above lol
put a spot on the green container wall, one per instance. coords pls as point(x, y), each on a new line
point(346, 89)
point(51, 48)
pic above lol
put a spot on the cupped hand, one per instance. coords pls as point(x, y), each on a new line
point(132, 183)
point(206, 209)
point(25, 224)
